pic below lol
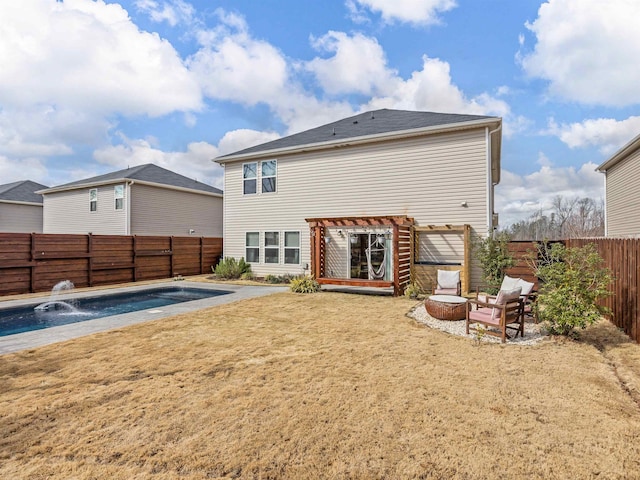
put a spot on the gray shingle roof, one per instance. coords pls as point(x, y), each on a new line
point(22, 191)
point(364, 124)
point(145, 173)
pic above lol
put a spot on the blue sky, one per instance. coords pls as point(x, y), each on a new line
point(91, 87)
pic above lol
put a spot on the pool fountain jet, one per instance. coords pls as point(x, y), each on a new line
point(53, 304)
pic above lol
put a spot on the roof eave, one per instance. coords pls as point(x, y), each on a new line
point(79, 186)
point(131, 181)
point(18, 202)
point(625, 151)
point(310, 147)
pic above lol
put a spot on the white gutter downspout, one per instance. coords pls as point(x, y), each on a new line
point(606, 222)
point(490, 178)
point(128, 215)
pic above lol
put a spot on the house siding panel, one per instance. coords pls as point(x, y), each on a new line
point(425, 178)
point(161, 211)
point(19, 218)
point(623, 197)
point(68, 212)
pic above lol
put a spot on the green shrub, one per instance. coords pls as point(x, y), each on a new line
point(573, 280)
point(277, 279)
point(412, 291)
point(247, 276)
point(304, 284)
point(230, 268)
point(274, 279)
point(493, 254)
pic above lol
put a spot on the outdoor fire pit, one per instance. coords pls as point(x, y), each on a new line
point(446, 307)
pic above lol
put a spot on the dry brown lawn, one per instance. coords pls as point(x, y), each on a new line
point(318, 386)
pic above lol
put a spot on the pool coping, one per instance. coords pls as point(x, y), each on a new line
point(47, 336)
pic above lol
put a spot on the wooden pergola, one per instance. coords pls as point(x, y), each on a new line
point(401, 228)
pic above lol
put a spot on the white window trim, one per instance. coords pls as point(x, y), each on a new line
point(284, 246)
point(275, 176)
point(116, 198)
point(256, 178)
point(272, 247)
point(91, 201)
point(246, 257)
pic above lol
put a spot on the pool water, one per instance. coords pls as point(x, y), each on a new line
point(27, 318)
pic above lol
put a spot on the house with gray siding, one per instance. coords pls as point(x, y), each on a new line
point(21, 207)
point(343, 201)
point(141, 200)
point(622, 194)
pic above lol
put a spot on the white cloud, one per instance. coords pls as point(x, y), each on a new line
point(587, 49)
point(89, 56)
point(194, 163)
point(432, 89)
point(607, 134)
point(29, 169)
point(231, 65)
point(243, 138)
point(519, 196)
point(357, 66)
point(173, 12)
point(69, 68)
point(416, 12)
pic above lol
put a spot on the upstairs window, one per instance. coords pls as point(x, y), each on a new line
point(292, 248)
point(252, 247)
point(250, 178)
point(93, 200)
point(268, 172)
point(271, 247)
point(118, 194)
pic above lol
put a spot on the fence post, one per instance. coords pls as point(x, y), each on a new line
point(90, 252)
point(32, 262)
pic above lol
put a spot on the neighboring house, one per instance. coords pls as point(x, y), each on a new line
point(339, 201)
point(622, 194)
point(21, 207)
point(142, 200)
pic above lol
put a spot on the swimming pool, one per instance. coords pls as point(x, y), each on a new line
point(27, 318)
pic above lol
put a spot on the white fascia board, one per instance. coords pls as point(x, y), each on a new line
point(17, 202)
point(628, 149)
point(310, 147)
point(129, 181)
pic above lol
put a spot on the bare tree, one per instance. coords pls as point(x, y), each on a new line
point(570, 218)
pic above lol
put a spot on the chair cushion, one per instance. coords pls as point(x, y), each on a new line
point(484, 315)
point(509, 283)
point(527, 287)
point(448, 278)
point(504, 297)
point(446, 291)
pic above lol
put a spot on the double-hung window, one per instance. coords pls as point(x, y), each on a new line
point(268, 173)
point(93, 200)
point(118, 194)
point(292, 248)
point(252, 247)
point(271, 247)
point(250, 178)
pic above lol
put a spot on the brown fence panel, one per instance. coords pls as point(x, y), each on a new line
point(36, 262)
point(15, 258)
point(523, 268)
point(622, 257)
point(211, 253)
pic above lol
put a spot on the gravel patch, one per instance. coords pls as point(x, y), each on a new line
point(533, 332)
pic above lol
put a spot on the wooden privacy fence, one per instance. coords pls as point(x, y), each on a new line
point(622, 257)
point(36, 262)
